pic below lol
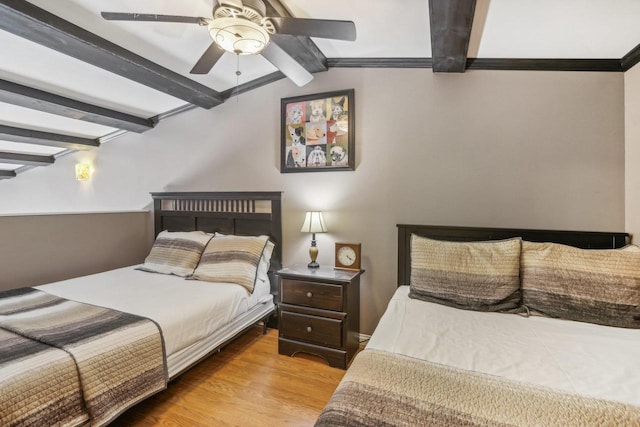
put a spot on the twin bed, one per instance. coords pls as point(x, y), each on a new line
point(430, 363)
point(157, 325)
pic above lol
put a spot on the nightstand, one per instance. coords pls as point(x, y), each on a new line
point(319, 313)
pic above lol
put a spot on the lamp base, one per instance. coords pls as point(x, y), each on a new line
point(313, 253)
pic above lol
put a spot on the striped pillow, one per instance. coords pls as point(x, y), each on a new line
point(176, 253)
point(232, 259)
point(481, 276)
point(265, 260)
point(587, 285)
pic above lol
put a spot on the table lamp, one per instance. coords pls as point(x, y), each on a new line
point(313, 223)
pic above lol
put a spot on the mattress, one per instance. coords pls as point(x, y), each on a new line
point(187, 311)
point(575, 357)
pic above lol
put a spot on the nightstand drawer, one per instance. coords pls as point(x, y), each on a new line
point(319, 330)
point(312, 294)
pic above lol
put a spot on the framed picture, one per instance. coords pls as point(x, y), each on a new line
point(318, 132)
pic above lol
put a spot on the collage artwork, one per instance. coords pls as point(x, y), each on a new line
point(316, 133)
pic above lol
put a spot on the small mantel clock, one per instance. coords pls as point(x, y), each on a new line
point(348, 256)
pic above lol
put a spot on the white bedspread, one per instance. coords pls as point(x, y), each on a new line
point(575, 357)
point(186, 310)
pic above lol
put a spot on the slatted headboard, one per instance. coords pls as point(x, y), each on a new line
point(579, 239)
point(241, 213)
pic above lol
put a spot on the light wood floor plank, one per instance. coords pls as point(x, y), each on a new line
point(246, 384)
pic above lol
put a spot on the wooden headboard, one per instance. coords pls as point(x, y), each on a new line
point(241, 213)
point(579, 239)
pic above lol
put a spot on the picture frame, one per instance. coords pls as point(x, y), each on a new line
point(318, 132)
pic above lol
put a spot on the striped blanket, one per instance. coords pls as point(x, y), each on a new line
point(63, 362)
point(386, 389)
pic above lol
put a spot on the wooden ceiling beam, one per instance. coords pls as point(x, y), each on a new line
point(26, 159)
point(5, 174)
point(28, 21)
point(300, 48)
point(50, 139)
point(253, 84)
point(35, 99)
point(630, 59)
point(451, 22)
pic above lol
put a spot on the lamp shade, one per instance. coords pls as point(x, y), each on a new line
point(239, 36)
point(314, 223)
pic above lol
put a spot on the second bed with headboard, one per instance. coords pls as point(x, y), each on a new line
point(126, 332)
point(494, 326)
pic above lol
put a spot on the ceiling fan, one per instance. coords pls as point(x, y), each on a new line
point(241, 27)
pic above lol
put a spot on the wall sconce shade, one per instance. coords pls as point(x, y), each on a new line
point(313, 223)
point(83, 171)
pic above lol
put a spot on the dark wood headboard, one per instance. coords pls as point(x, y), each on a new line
point(579, 239)
point(241, 213)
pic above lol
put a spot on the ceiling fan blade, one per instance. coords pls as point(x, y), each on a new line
point(324, 28)
point(286, 64)
point(148, 17)
point(207, 60)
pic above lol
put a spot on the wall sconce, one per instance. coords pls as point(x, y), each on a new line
point(83, 171)
point(313, 223)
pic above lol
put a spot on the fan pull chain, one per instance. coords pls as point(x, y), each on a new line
point(238, 73)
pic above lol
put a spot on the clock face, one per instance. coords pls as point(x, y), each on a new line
point(347, 256)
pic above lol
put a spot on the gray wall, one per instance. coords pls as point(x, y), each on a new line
point(484, 148)
point(37, 249)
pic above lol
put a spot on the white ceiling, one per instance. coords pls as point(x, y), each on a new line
point(586, 29)
point(604, 29)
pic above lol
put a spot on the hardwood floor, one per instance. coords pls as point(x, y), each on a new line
point(247, 384)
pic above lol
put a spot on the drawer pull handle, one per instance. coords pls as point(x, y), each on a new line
point(309, 294)
point(309, 329)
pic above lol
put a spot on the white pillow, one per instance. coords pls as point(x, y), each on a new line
point(265, 261)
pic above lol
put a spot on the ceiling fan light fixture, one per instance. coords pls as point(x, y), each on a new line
point(238, 35)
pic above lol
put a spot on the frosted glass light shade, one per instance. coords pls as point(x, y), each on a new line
point(239, 36)
point(314, 223)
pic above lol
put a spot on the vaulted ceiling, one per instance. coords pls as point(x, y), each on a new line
point(70, 80)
